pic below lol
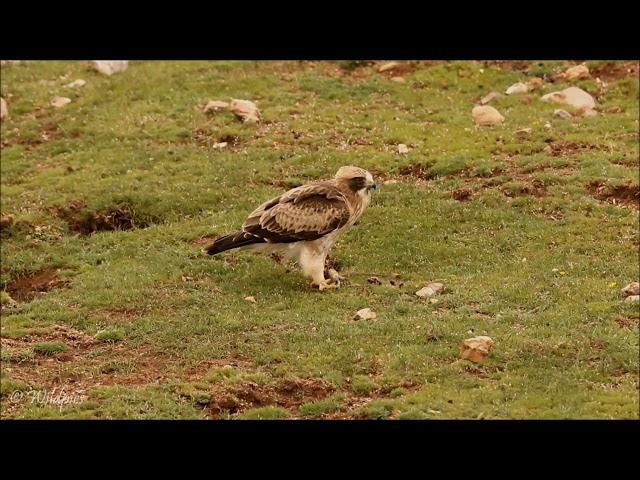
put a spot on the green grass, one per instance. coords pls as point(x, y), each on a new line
point(110, 336)
point(135, 147)
point(49, 348)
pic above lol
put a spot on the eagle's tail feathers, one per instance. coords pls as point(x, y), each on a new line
point(233, 240)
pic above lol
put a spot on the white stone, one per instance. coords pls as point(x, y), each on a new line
point(517, 88)
point(365, 314)
point(245, 110)
point(109, 67)
point(574, 96)
point(76, 83)
point(486, 115)
point(60, 101)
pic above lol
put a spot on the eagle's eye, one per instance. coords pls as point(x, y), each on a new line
point(357, 183)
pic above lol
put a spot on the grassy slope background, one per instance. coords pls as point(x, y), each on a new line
point(533, 235)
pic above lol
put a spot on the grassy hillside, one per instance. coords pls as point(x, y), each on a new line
point(111, 308)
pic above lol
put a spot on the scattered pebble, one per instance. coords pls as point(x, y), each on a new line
point(215, 105)
point(534, 83)
point(398, 79)
point(6, 221)
point(109, 67)
point(632, 289)
point(517, 88)
point(523, 132)
point(490, 97)
point(220, 145)
point(430, 290)
point(245, 110)
point(374, 281)
point(632, 298)
point(475, 349)
point(365, 314)
point(562, 114)
point(548, 150)
point(388, 66)
point(4, 109)
point(402, 148)
point(486, 115)
point(76, 83)
point(250, 299)
point(60, 101)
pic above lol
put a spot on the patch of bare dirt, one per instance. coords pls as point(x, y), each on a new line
point(87, 363)
point(628, 323)
point(461, 194)
point(84, 222)
point(289, 394)
point(622, 195)
point(512, 65)
point(47, 133)
point(27, 287)
point(611, 71)
point(563, 148)
point(417, 170)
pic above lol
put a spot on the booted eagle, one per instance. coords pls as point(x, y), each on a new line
point(303, 224)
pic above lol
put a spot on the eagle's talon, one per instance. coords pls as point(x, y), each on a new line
point(327, 284)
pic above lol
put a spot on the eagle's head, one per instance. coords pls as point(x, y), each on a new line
point(356, 179)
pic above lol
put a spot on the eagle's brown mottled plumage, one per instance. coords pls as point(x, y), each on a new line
point(304, 222)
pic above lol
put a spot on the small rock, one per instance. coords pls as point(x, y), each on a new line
point(388, 66)
point(109, 67)
point(374, 281)
point(534, 83)
point(4, 109)
point(398, 79)
point(574, 96)
point(365, 314)
point(523, 132)
point(245, 110)
point(614, 109)
point(576, 73)
point(430, 290)
point(562, 114)
point(250, 299)
point(548, 150)
point(517, 88)
point(215, 105)
point(632, 298)
point(6, 221)
point(632, 289)
point(402, 148)
point(489, 97)
point(60, 101)
point(547, 125)
point(475, 349)
point(486, 115)
point(220, 145)
point(76, 83)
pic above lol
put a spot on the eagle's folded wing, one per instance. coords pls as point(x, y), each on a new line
point(304, 213)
